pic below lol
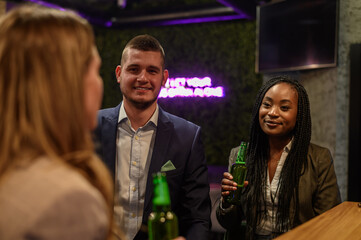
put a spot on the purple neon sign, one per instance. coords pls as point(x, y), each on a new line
point(190, 87)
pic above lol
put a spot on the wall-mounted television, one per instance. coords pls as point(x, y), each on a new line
point(296, 35)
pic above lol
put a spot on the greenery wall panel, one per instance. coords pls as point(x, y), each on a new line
point(224, 51)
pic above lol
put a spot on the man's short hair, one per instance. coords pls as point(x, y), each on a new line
point(144, 43)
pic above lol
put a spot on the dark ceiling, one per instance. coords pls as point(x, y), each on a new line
point(125, 13)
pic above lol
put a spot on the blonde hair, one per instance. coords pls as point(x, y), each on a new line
point(44, 54)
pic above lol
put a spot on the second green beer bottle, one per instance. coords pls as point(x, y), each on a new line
point(162, 222)
point(238, 171)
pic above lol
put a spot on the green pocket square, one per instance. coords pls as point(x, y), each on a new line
point(167, 166)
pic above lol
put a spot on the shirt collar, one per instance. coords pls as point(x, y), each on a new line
point(123, 116)
point(288, 146)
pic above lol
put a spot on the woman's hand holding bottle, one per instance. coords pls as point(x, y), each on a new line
point(228, 185)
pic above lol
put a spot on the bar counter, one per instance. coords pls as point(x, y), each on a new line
point(342, 222)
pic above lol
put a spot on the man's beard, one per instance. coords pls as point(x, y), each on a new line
point(142, 105)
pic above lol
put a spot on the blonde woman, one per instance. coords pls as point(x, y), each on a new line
point(52, 185)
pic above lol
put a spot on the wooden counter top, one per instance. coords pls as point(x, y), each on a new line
point(342, 222)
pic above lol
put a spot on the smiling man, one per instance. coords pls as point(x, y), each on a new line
point(138, 139)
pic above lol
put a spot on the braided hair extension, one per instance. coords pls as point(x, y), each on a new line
point(258, 154)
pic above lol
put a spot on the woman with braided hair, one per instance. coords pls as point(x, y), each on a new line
point(289, 179)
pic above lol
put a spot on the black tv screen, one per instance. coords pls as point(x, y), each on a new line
point(296, 35)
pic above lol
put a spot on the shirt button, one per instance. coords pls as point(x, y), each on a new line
point(133, 215)
point(134, 163)
point(136, 137)
point(134, 189)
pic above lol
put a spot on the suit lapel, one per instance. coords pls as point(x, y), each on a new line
point(162, 139)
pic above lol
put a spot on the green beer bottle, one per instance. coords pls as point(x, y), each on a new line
point(238, 171)
point(162, 222)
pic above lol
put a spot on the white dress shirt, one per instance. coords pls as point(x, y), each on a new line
point(268, 222)
point(134, 152)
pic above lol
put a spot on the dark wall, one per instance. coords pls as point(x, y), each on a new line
point(354, 164)
point(224, 51)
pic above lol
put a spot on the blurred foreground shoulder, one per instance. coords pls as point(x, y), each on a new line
point(49, 200)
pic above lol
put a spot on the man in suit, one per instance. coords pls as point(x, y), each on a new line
point(138, 138)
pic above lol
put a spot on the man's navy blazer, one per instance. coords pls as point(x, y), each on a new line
point(180, 142)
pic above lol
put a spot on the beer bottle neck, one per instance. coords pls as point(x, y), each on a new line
point(161, 208)
point(241, 156)
point(161, 199)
